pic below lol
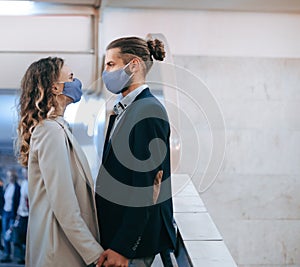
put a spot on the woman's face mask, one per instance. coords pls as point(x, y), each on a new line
point(116, 81)
point(73, 90)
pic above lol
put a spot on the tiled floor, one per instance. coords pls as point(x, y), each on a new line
point(12, 264)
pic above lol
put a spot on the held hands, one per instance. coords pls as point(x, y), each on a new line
point(110, 258)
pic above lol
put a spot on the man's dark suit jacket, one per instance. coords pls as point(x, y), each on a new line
point(137, 231)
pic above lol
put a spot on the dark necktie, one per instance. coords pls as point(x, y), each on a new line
point(111, 122)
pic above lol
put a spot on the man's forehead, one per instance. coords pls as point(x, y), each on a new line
point(113, 53)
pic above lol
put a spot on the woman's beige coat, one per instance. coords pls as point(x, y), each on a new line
point(63, 228)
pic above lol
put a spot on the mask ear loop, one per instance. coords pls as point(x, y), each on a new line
point(141, 63)
point(124, 68)
point(138, 59)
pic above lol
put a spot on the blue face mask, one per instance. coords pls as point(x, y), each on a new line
point(73, 90)
point(116, 81)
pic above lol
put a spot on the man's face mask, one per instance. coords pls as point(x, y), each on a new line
point(116, 81)
point(73, 90)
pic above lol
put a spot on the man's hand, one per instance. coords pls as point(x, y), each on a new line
point(110, 258)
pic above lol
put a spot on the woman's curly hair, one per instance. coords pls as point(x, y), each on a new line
point(37, 102)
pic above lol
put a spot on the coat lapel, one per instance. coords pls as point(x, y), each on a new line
point(82, 161)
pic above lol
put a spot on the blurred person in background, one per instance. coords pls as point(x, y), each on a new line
point(20, 225)
point(1, 210)
point(11, 204)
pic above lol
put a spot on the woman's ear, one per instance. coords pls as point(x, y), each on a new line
point(56, 90)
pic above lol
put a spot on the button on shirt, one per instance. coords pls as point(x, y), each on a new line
point(124, 103)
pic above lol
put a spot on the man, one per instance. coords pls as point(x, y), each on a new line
point(22, 220)
point(11, 204)
point(134, 202)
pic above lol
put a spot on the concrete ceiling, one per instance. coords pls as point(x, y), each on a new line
point(73, 2)
point(226, 5)
point(230, 5)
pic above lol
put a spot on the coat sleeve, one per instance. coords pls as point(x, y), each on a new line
point(54, 161)
point(129, 235)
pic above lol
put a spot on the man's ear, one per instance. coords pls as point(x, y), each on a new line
point(135, 65)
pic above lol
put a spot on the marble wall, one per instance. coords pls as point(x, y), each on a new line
point(255, 200)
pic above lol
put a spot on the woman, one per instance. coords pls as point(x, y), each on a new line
point(62, 227)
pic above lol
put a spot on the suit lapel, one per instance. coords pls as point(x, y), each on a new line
point(107, 145)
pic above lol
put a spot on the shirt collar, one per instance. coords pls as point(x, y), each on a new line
point(128, 99)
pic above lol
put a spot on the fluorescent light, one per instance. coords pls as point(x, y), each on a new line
point(8, 8)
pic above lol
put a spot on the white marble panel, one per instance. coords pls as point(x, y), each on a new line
point(261, 114)
point(245, 78)
point(254, 197)
point(263, 201)
point(209, 254)
point(268, 242)
point(262, 242)
point(248, 152)
point(262, 152)
point(197, 226)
